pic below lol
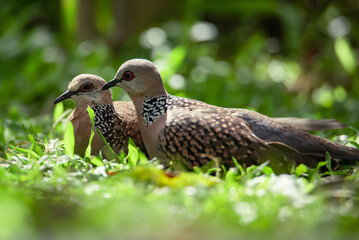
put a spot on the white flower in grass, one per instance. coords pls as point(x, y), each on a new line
point(246, 211)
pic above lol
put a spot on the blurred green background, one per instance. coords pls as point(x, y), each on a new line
point(281, 58)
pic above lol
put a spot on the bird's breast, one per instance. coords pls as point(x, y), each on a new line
point(150, 135)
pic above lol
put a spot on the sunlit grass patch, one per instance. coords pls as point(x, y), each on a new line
point(49, 192)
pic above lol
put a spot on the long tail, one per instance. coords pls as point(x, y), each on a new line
point(283, 159)
point(312, 124)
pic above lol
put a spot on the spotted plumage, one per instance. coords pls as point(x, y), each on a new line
point(117, 128)
point(195, 136)
point(197, 133)
point(106, 120)
point(154, 107)
point(189, 133)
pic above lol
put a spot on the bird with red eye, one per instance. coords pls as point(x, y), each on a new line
point(128, 76)
point(116, 121)
point(86, 87)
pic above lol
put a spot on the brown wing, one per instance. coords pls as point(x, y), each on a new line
point(270, 130)
point(193, 138)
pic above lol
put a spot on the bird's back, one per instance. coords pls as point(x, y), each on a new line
point(193, 138)
point(194, 127)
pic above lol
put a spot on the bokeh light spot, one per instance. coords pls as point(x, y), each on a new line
point(177, 81)
point(203, 31)
point(152, 38)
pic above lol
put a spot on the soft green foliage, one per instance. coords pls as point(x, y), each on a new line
point(69, 140)
point(345, 55)
point(45, 192)
point(92, 118)
point(281, 58)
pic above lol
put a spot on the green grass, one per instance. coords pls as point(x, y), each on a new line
point(45, 193)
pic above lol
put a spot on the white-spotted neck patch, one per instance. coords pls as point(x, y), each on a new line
point(153, 107)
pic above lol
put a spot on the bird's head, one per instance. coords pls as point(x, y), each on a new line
point(139, 78)
point(86, 89)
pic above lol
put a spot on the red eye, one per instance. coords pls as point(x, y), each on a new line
point(128, 76)
point(86, 87)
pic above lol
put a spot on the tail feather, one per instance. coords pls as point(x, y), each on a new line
point(312, 124)
point(284, 158)
point(338, 151)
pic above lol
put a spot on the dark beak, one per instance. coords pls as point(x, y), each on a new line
point(111, 83)
point(64, 96)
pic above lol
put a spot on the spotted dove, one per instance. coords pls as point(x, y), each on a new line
point(190, 133)
point(116, 121)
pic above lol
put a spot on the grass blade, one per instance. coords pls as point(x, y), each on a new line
point(69, 140)
point(92, 118)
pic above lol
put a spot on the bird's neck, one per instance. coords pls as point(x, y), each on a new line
point(153, 108)
point(104, 115)
point(78, 111)
point(149, 108)
point(106, 97)
point(150, 127)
